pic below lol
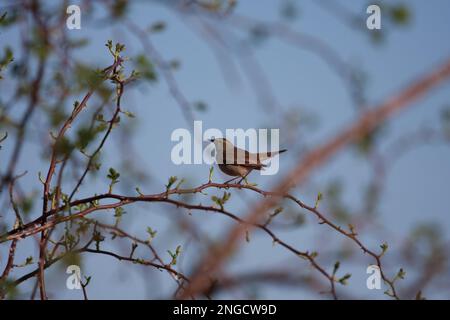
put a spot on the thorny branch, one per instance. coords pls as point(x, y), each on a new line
point(36, 226)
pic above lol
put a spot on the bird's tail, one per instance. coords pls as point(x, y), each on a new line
point(267, 155)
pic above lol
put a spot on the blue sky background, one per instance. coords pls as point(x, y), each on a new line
point(417, 185)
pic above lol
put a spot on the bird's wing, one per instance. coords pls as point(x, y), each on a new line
point(238, 156)
point(229, 154)
point(241, 157)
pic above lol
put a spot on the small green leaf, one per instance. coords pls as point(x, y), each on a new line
point(401, 274)
point(3, 16)
point(336, 267)
point(352, 229)
point(174, 255)
point(318, 199)
point(109, 44)
point(277, 211)
point(145, 68)
point(97, 237)
point(384, 248)
point(400, 14)
point(344, 279)
point(129, 114)
point(29, 260)
point(172, 180)
point(113, 175)
point(211, 170)
point(151, 232)
point(221, 201)
point(100, 118)
point(7, 58)
point(139, 191)
point(118, 213)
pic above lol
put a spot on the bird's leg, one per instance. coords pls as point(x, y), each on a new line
point(227, 182)
point(244, 178)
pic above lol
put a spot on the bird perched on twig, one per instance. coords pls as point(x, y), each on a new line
point(237, 162)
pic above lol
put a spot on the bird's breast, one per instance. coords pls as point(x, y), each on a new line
point(234, 170)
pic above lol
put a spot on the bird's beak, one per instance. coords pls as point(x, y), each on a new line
point(211, 140)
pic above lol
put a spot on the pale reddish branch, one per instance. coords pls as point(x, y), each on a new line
point(52, 220)
point(53, 160)
point(86, 249)
point(44, 237)
point(369, 121)
point(116, 231)
point(60, 179)
point(14, 205)
point(9, 263)
point(67, 124)
point(36, 225)
point(46, 192)
point(41, 268)
point(12, 249)
point(108, 131)
point(9, 266)
point(49, 262)
point(140, 261)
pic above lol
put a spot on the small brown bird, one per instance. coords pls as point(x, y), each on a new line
point(237, 162)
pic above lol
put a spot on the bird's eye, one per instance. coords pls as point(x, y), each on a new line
point(212, 140)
